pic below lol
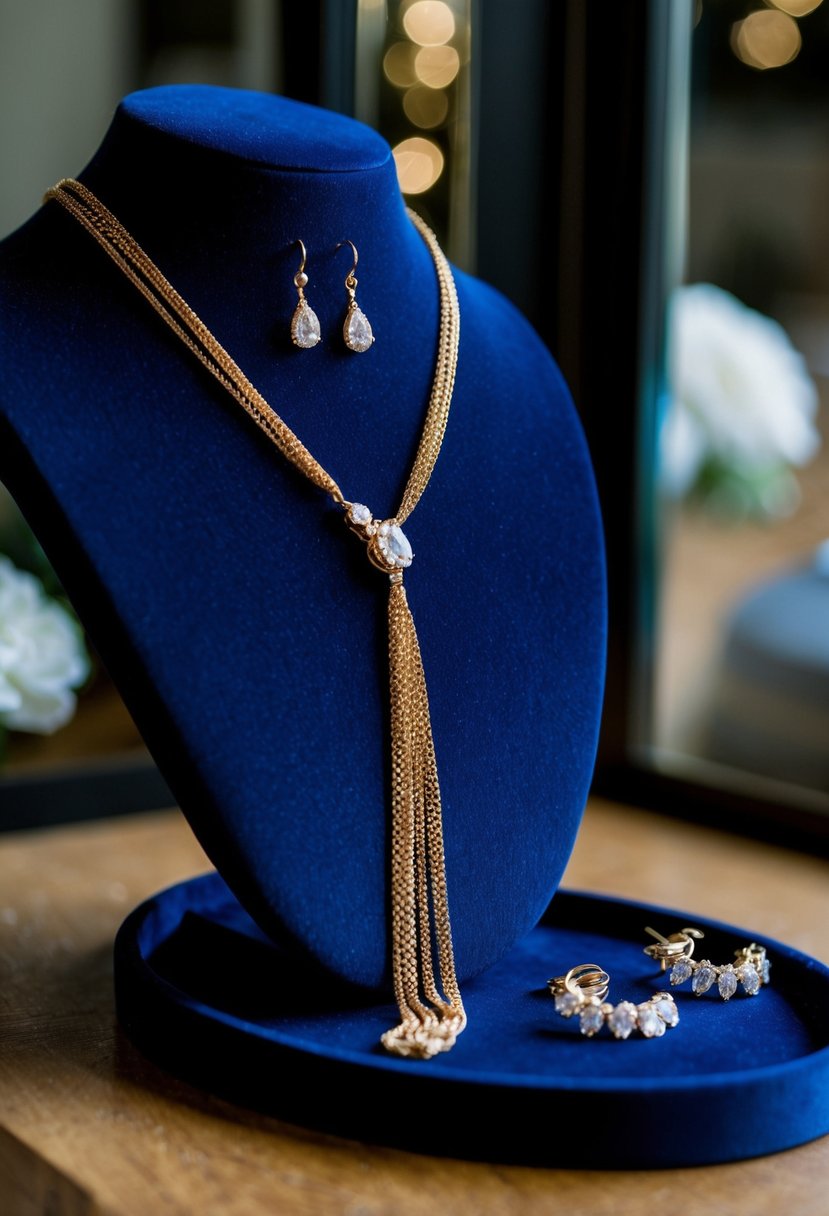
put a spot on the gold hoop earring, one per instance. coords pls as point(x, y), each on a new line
point(583, 990)
point(357, 332)
point(751, 967)
point(305, 326)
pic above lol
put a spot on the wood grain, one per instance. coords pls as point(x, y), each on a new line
point(88, 1127)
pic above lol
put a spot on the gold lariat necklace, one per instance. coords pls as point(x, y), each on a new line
point(430, 1020)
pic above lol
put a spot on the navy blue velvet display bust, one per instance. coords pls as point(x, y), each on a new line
point(238, 616)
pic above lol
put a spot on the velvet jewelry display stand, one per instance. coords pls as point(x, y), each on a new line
point(246, 631)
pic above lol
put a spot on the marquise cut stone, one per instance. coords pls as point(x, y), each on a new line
point(703, 979)
point(749, 977)
point(622, 1021)
point(359, 514)
point(305, 326)
point(681, 971)
point(666, 1008)
point(567, 1003)
point(591, 1020)
point(727, 983)
point(357, 330)
point(650, 1023)
point(394, 545)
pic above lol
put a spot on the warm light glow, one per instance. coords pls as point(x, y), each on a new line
point(767, 39)
point(419, 164)
point(429, 22)
point(425, 107)
point(795, 8)
point(399, 64)
point(437, 66)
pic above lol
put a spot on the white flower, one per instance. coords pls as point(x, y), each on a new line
point(741, 393)
point(42, 656)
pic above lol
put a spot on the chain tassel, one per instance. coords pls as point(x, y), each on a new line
point(430, 1022)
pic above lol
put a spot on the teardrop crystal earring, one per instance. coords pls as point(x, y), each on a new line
point(357, 333)
point(305, 326)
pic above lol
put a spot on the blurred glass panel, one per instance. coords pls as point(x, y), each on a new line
point(742, 671)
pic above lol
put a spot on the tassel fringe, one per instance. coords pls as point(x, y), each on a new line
point(430, 1021)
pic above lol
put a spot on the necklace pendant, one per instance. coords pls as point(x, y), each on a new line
point(388, 546)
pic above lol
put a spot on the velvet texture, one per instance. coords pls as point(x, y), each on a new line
point(203, 993)
point(239, 617)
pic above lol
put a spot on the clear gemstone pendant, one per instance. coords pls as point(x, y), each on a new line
point(357, 333)
point(305, 326)
point(388, 546)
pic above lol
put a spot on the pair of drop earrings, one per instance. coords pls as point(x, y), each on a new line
point(305, 325)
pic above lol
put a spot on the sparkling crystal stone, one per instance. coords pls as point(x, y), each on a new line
point(623, 1019)
point(359, 514)
point(357, 330)
point(766, 969)
point(305, 326)
point(592, 1019)
point(681, 971)
point(394, 545)
point(666, 1008)
point(650, 1023)
point(728, 982)
point(703, 978)
point(748, 976)
point(567, 1003)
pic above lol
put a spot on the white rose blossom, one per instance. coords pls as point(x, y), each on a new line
point(42, 655)
point(742, 395)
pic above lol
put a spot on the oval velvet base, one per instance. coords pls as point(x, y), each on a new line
point(204, 994)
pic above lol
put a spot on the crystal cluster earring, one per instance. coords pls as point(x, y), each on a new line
point(583, 990)
point(305, 325)
point(751, 967)
point(357, 333)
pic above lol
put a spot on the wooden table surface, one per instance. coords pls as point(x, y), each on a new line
point(88, 1126)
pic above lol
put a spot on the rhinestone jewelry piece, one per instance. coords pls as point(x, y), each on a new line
point(357, 333)
point(582, 990)
point(359, 514)
point(305, 326)
point(681, 971)
point(388, 546)
point(704, 977)
point(751, 967)
point(749, 978)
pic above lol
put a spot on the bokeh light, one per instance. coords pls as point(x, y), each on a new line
point(766, 39)
point(795, 8)
point(429, 22)
point(419, 164)
point(399, 64)
point(437, 66)
point(425, 107)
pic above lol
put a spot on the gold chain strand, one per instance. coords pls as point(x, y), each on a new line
point(429, 1021)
